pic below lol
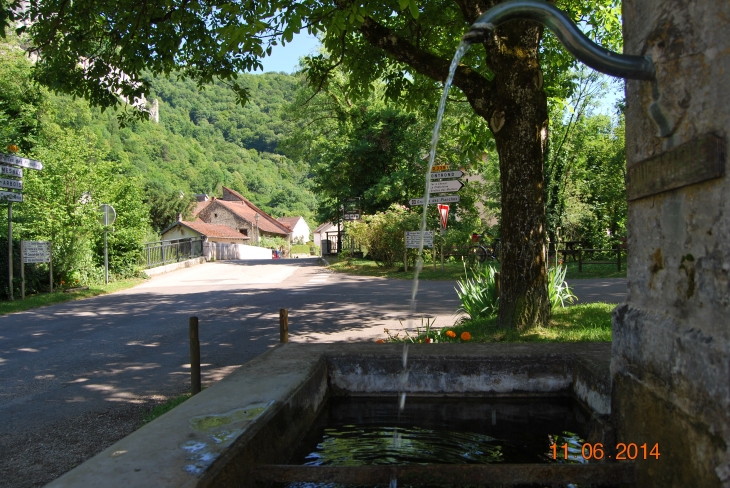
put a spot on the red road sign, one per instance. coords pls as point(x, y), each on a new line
point(444, 212)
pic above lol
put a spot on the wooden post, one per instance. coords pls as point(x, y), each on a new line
point(618, 257)
point(194, 356)
point(433, 249)
point(498, 282)
point(283, 325)
point(442, 250)
point(22, 270)
point(580, 260)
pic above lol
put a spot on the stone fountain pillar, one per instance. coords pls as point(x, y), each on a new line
point(671, 339)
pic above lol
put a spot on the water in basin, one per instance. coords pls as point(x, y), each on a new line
point(359, 431)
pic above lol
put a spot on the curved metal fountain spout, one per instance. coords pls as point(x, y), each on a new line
point(585, 50)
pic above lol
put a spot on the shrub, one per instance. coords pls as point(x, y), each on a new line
point(478, 294)
point(559, 292)
point(383, 234)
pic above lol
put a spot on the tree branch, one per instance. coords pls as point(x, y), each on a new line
point(478, 89)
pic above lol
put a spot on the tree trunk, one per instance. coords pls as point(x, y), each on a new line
point(515, 106)
point(519, 122)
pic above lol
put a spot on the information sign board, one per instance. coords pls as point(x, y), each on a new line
point(11, 184)
point(444, 186)
point(9, 196)
point(352, 216)
point(432, 200)
point(413, 239)
point(10, 171)
point(18, 161)
point(447, 174)
point(36, 251)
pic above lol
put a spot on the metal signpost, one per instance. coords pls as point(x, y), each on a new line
point(35, 252)
point(12, 196)
point(108, 216)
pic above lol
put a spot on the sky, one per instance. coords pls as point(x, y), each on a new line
point(286, 58)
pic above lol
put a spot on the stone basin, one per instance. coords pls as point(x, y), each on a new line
point(257, 415)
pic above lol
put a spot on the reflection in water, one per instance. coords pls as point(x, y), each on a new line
point(360, 432)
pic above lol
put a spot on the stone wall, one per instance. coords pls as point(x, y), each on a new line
point(216, 213)
point(671, 346)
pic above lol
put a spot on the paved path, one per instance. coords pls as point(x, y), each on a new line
point(74, 377)
point(609, 290)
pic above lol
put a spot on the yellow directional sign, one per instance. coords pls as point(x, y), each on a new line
point(439, 167)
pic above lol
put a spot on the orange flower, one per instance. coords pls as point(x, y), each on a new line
point(13, 148)
point(427, 340)
point(380, 341)
point(450, 333)
point(465, 336)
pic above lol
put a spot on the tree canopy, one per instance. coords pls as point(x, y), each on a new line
point(103, 51)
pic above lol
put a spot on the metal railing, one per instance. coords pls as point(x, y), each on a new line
point(160, 253)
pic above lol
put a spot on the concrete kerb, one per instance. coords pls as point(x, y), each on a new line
point(257, 414)
point(175, 266)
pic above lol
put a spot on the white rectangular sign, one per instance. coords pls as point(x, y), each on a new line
point(11, 184)
point(10, 171)
point(447, 174)
point(444, 186)
point(433, 200)
point(36, 251)
point(17, 161)
point(9, 196)
point(352, 216)
point(413, 239)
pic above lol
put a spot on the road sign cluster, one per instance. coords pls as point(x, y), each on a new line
point(15, 171)
point(442, 182)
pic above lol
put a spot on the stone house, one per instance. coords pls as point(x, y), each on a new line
point(219, 241)
point(236, 212)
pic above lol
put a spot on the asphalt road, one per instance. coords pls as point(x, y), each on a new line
point(132, 346)
point(72, 370)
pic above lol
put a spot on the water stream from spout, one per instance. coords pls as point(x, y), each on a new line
point(460, 51)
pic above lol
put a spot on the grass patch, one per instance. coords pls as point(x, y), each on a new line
point(364, 267)
point(455, 270)
point(589, 322)
point(165, 407)
point(594, 271)
point(44, 299)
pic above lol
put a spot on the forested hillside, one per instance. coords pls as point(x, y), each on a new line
point(148, 171)
point(205, 140)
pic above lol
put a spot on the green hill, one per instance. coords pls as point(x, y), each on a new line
point(205, 140)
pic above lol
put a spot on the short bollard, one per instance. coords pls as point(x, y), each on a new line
point(283, 325)
point(194, 356)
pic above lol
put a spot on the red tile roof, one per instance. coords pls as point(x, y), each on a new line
point(290, 222)
point(214, 230)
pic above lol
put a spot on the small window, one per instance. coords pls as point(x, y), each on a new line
point(243, 231)
point(215, 215)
